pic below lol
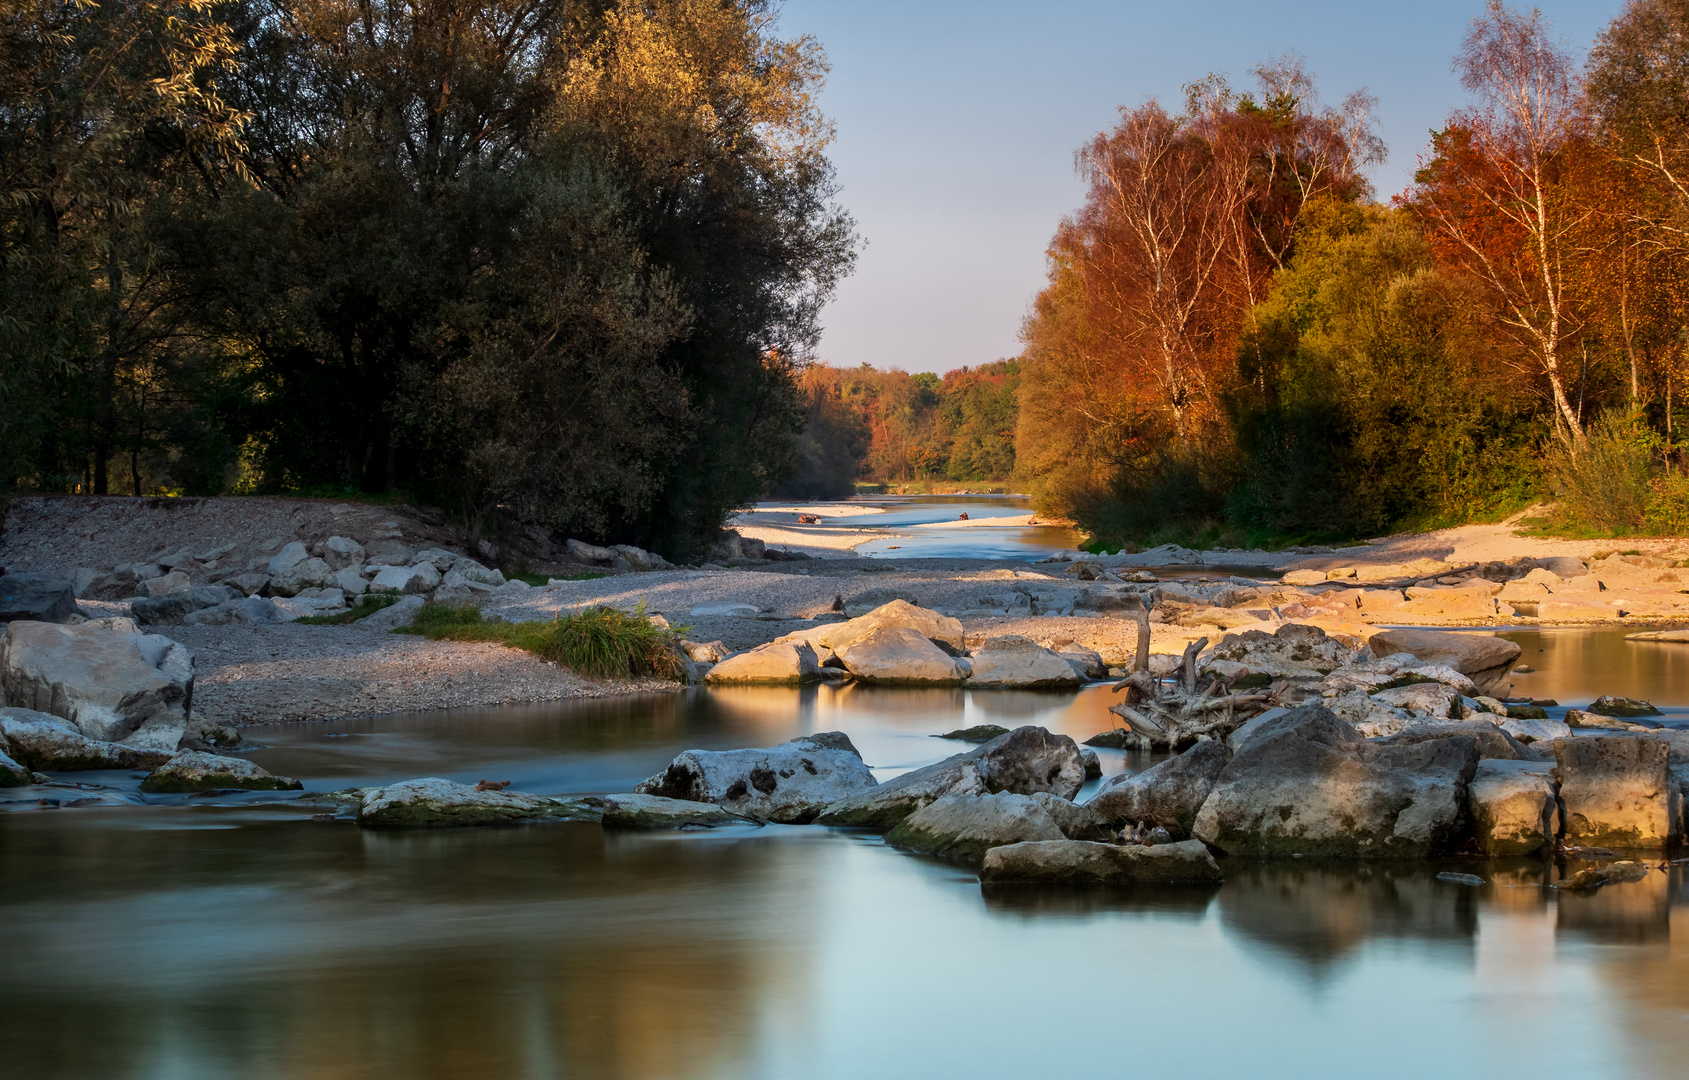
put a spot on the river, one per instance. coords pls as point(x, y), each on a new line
point(210, 940)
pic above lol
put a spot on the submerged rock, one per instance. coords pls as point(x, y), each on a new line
point(113, 685)
point(979, 733)
point(1618, 791)
point(1513, 807)
point(194, 770)
point(966, 826)
point(48, 743)
point(435, 803)
point(635, 811)
point(1307, 783)
point(1076, 862)
point(789, 783)
point(1026, 760)
point(1169, 794)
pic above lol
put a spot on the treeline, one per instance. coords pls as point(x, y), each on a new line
point(1237, 342)
point(882, 426)
point(553, 259)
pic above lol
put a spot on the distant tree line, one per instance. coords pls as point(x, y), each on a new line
point(880, 426)
point(1237, 341)
point(554, 259)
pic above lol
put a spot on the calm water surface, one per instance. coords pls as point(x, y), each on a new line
point(214, 941)
point(1024, 543)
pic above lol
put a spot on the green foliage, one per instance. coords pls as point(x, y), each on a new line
point(597, 642)
point(1667, 512)
point(1602, 486)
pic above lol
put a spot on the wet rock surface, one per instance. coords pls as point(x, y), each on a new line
point(1074, 862)
point(432, 802)
point(194, 770)
point(1513, 807)
point(965, 827)
point(635, 811)
point(1169, 794)
point(790, 783)
point(49, 743)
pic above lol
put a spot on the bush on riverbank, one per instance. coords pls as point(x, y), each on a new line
point(598, 642)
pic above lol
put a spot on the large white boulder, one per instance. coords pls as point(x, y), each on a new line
point(899, 655)
point(775, 664)
point(341, 552)
point(942, 630)
point(408, 580)
point(115, 686)
point(51, 744)
point(1512, 807)
point(1014, 661)
point(789, 783)
point(1619, 791)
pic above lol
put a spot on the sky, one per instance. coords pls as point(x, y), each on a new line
point(957, 121)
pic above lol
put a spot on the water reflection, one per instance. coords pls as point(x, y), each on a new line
point(1576, 666)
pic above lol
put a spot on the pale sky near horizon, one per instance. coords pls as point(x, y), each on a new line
point(957, 122)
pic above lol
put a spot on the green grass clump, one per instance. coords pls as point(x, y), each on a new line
point(368, 604)
point(598, 642)
point(538, 580)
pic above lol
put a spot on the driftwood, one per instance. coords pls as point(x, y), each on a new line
point(1190, 705)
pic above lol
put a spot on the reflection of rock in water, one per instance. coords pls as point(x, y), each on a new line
point(1651, 984)
point(1623, 913)
point(1319, 913)
point(1023, 705)
point(1045, 901)
point(450, 954)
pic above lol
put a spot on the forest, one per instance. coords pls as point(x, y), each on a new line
point(1262, 349)
point(552, 261)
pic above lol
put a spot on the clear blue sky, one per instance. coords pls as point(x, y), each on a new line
point(957, 123)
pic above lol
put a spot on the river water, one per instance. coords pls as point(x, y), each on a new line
point(207, 940)
point(935, 541)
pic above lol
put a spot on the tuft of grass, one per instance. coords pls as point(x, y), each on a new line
point(597, 642)
point(537, 580)
point(368, 604)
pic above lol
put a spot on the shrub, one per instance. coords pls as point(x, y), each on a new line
point(1604, 486)
point(597, 642)
point(1667, 512)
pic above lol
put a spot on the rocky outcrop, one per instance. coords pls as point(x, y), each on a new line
point(130, 688)
point(966, 826)
point(194, 770)
point(1307, 783)
point(1484, 659)
point(634, 811)
point(1013, 661)
point(48, 743)
point(1025, 761)
point(1075, 862)
point(1512, 806)
point(898, 655)
point(1169, 794)
point(778, 663)
point(1292, 651)
point(1618, 791)
point(789, 783)
point(36, 598)
point(432, 803)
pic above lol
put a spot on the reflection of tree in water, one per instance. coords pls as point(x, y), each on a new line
point(540, 951)
point(1318, 914)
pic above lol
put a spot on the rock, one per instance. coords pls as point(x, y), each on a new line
point(1076, 822)
point(789, 783)
point(467, 572)
point(655, 812)
point(1614, 873)
point(1093, 764)
point(114, 686)
point(1492, 741)
point(1578, 718)
point(1608, 705)
point(439, 558)
point(1293, 650)
point(726, 608)
point(1076, 862)
point(1371, 717)
point(1535, 731)
point(167, 583)
point(1427, 699)
point(173, 609)
point(252, 610)
point(350, 580)
point(392, 617)
point(209, 735)
point(51, 744)
point(251, 584)
point(1389, 672)
point(421, 578)
point(1236, 740)
point(1169, 794)
point(287, 558)
point(899, 655)
point(589, 554)
point(13, 774)
point(966, 826)
point(713, 652)
point(941, 630)
point(1484, 659)
point(1013, 661)
point(299, 576)
point(1618, 791)
point(874, 599)
point(36, 597)
point(387, 552)
point(751, 548)
point(1307, 783)
point(1025, 761)
point(341, 552)
point(1115, 739)
point(1523, 712)
point(636, 557)
point(435, 803)
point(1303, 577)
point(1575, 611)
point(979, 733)
point(775, 664)
point(1087, 663)
point(1512, 806)
point(194, 770)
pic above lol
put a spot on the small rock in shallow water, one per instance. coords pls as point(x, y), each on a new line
point(1093, 764)
point(1593, 877)
point(1460, 879)
point(979, 733)
point(433, 803)
point(634, 811)
point(194, 770)
point(1608, 705)
point(1118, 739)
